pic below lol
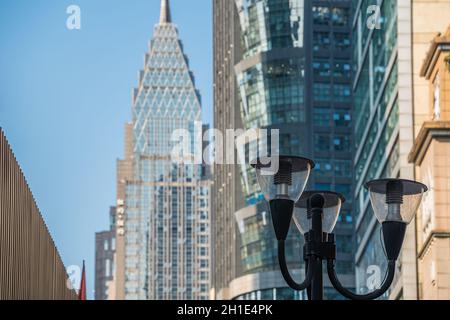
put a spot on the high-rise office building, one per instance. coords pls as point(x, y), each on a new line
point(227, 190)
point(431, 154)
point(30, 265)
point(390, 42)
point(105, 250)
point(330, 105)
point(163, 205)
point(289, 66)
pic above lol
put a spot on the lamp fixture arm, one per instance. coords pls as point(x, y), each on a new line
point(285, 271)
point(370, 296)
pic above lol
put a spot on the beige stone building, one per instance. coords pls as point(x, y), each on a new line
point(431, 155)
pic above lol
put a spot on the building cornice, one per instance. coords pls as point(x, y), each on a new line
point(428, 242)
point(430, 130)
point(260, 57)
point(438, 44)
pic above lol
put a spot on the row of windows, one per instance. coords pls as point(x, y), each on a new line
point(323, 116)
point(109, 246)
point(338, 41)
point(336, 168)
point(328, 92)
point(385, 137)
point(324, 142)
point(270, 24)
point(323, 15)
point(338, 69)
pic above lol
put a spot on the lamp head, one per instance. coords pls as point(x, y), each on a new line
point(395, 199)
point(282, 177)
point(282, 180)
point(331, 202)
point(395, 202)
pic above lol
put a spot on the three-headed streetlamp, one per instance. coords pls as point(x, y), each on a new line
point(315, 214)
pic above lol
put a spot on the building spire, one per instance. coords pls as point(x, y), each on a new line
point(165, 12)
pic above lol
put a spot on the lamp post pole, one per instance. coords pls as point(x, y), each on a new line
point(316, 205)
point(316, 213)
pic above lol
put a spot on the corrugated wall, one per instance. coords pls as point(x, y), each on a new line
point(30, 266)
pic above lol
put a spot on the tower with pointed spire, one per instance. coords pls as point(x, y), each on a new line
point(163, 239)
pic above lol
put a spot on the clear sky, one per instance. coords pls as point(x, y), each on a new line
point(66, 94)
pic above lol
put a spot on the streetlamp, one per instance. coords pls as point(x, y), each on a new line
point(315, 214)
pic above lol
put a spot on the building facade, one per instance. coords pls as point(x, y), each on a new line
point(226, 190)
point(390, 42)
point(164, 203)
point(431, 154)
point(291, 72)
point(376, 123)
point(330, 102)
point(105, 250)
point(30, 265)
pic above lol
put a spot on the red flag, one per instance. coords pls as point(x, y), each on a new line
point(82, 292)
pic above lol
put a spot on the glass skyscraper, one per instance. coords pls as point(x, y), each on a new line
point(165, 220)
point(389, 109)
point(294, 75)
point(376, 124)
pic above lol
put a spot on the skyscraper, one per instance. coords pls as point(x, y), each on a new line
point(105, 250)
point(331, 104)
point(163, 205)
point(390, 107)
point(290, 67)
point(227, 189)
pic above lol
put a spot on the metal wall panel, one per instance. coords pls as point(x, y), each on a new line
point(30, 265)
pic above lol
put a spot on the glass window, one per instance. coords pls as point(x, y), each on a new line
point(342, 143)
point(342, 118)
point(342, 92)
point(342, 41)
point(321, 15)
point(322, 116)
point(345, 217)
point(322, 91)
point(342, 70)
point(340, 16)
point(107, 268)
point(345, 190)
point(322, 143)
point(324, 168)
point(321, 68)
point(343, 168)
point(321, 41)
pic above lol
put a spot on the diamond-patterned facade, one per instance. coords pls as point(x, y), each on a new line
point(166, 203)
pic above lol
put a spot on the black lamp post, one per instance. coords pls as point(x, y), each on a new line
point(315, 214)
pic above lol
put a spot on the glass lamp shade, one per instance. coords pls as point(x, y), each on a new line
point(283, 177)
point(395, 199)
point(331, 209)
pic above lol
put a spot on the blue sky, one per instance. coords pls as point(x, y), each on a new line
point(66, 94)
